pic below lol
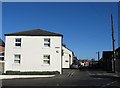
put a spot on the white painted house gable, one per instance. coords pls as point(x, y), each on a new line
point(67, 57)
point(33, 50)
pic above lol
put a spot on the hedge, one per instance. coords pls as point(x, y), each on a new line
point(31, 73)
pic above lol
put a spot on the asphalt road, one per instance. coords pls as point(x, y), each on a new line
point(70, 78)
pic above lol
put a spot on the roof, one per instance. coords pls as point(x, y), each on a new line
point(118, 49)
point(67, 48)
point(2, 49)
point(1, 42)
point(35, 32)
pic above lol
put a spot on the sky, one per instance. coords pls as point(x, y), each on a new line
point(86, 26)
point(119, 25)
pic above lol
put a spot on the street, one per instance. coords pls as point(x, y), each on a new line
point(70, 77)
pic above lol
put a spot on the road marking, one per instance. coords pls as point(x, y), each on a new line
point(57, 85)
point(92, 74)
point(71, 73)
point(97, 78)
point(89, 72)
point(108, 84)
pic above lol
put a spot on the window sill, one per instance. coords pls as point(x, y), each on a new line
point(16, 64)
point(16, 47)
point(45, 65)
point(46, 48)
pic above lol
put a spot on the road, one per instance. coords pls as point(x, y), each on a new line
point(71, 78)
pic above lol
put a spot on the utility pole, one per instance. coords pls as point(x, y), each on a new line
point(113, 45)
point(98, 57)
point(98, 53)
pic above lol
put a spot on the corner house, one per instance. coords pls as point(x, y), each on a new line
point(33, 50)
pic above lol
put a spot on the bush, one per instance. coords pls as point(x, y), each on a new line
point(31, 73)
point(12, 72)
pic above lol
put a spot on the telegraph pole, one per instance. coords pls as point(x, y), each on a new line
point(98, 57)
point(113, 45)
point(98, 53)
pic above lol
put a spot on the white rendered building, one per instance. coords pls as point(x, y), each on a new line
point(67, 57)
point(33, 50)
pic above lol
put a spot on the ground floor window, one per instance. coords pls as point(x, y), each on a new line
point(46, 59)
point(17, 58)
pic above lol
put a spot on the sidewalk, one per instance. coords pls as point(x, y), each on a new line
point(23, 76)
point(111, 74)
point(99, 72)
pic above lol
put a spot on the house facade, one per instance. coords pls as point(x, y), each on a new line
point(107, 60)
point(84, 63)
point(2, 51)
point(67, 57)
point(117, 60)
point(33, 50)
point(117, 51)
point(75, 60)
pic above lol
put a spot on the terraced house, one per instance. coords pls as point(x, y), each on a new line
point(33, 50)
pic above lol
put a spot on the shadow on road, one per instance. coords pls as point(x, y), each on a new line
point(104, 76)
point(99, 73)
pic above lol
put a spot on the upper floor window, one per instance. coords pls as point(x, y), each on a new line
point(47, 42)
point(17, 58)
point(18, 42)
point(1, 55)
point(62, 53)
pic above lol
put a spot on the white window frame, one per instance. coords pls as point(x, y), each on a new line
point(17, 42)
point(17, 60)
point(46, 59)
point(47, 42)
point(2, 54)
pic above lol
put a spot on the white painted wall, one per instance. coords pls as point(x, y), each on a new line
point(32, 51)
point(66, 59)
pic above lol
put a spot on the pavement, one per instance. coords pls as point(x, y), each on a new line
point(0, 83)
point(66, 72)
point(23, 76)
point(103, 73)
